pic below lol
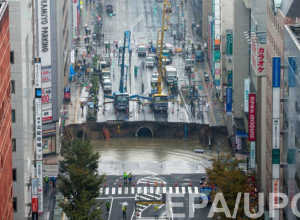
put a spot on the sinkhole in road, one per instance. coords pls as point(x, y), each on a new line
point(144, 132)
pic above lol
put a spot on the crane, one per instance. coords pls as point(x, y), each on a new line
point(122, 98)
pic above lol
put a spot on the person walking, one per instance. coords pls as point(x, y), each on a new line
point(82, 106)
point(156, 211)
point(125, 178)
point(124, 212)
point(185, 1)
point(84, 61)
point(130, 178)
point(47, 182)
point(107, 206)
point(106, 48)
point(53, 180)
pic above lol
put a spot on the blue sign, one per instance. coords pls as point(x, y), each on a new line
point(38, 93)
point(292, 68)
point(276, 72)
point(228, 100)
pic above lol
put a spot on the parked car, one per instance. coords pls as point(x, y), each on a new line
point(107, 85)
point(149, 61)
point(154, 78)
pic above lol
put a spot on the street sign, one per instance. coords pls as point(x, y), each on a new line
point(229, 44)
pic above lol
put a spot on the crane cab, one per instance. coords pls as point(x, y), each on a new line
point(121, 101)
point(160, 102)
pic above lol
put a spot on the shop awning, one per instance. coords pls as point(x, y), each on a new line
point(241, 134)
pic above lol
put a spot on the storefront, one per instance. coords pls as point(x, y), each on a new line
point(49, 142)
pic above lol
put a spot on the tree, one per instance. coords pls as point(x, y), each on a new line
point(229, 180)
point(81, 183)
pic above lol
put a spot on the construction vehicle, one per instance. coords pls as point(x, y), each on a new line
point(199, 55)
point(159, 100)
point(121, 98)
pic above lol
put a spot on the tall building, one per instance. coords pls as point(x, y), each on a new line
point(7, 198)
point(22, 78)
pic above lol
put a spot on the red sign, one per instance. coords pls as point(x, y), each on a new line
point(252, 117)
point(261, 59)
point(253, 54)
point(34, 204)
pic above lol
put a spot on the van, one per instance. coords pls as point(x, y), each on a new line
point(206, 77)
point(107, 85)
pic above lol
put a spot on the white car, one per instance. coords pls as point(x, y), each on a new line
point(149, 61)
point(107, 85)
point(154, 78)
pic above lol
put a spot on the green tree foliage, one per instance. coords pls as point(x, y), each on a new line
point(80, 182)
point(230, 180)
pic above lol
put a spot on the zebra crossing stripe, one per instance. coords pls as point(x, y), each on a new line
point(139, 190)
point(164, 189)
point(126, 190)
point(190, 190)
point(170, 189)
point(120, 190)
point(183, 190)
point(157, 190)
point(151, 190)
point(106, 191)
point(177, 189)
point(132, 190)
point(113, 191)
point(101, 191)
point(196, 189)
point(145, 190)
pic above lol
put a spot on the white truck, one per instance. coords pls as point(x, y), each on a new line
point(170, 74)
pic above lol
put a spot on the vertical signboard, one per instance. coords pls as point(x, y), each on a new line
point(34, 196)
point(276, 69)
point(246, 94)
point(253, 54)
point(252, 117)
point(217, 73)
point(261, 59)
point(252, 154)
point(38, 139)
point(229, 78)
point(229, 44)
point(229, 101)
point(75, 4)
point(67, 94)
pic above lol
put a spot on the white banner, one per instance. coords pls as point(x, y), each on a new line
point(46, 95)
point(38, 129)
point(37, 74)
point(75, 4)
point(246, 94)
point(276, 133)
point(44, 31)
point(39, 165)
point(34, 186)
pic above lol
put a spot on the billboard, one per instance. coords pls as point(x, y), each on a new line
point(46, 95)
point(252, 117)
point(258, 57)
point(47, 115)
point(229, 44)
point(229, 78)
point(246, 94)
point(46, 73)
point(228, 101)
point(276, 133)
point(43, 25)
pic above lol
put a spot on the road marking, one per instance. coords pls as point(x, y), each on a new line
point(170, 189)
point(193, 207)
point(190, 190)
point(125, 190)
point(120, 190)
point(132, 190)
point(106, 191)
point(183, 190)
point(164, 189)
point(113, 191)
point(101, 191)
point(145, 190)
point(139, 190)
point(112, 200)
point(157, 190)
point(177, 189)
point(151, 190)
point(196, 189)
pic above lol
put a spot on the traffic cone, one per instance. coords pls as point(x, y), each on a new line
point(149, 110)
point(176, 183)
point(120, 184)
point(162, 183)
point(133, 184)
point(148, 184)
point(191, 183)
point(172, 110)
point(105, 185)
point(137, 214)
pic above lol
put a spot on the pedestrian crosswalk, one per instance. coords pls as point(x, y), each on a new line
point(147, 190)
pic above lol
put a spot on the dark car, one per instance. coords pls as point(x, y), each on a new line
point(109, 9)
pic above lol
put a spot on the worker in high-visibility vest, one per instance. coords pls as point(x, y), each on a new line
point(130, 178)
point(124, 212)
point(156, 211)
point(125, 178)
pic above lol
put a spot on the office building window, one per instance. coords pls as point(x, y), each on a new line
point(15, 204)
point(14, 174)
point(13, 86)
point(14, 144)
point(13, 115)
point(12, 56)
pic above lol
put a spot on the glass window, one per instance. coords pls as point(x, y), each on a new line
point(14, 144)
point(12, 56)
point(15, 204)
point(13, 86)
point(14, 174)
point(122, 98)
point(13, 115)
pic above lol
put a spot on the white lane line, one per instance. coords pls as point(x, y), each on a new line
point(190, 190)
point(177, 189)
point(113, 191)
point(196, 189)
point(106, 191)
point(145, 190)
point(126, 190)
point(120, 190)
point(139, 190)
point(164, 189)
point(151, 190)
point(112, 200)
point(157, 190)
point(183, 190)
point(132, 190)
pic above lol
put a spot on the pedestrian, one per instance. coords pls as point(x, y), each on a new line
point(53, 180)
point(185, 1)
point(130, 178)
point(106, 48)
point(88, 40)
point(82, 106)
point(125, 178)
point(156, 211)
point(47, 182)
point(76, 51)
point(86, 30)
point(107, 206)
point(84, 61)
point(181, 4)
point(187, 52)
point(124, 212)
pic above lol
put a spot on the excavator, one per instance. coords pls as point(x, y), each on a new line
point(121, 98)
point(157, 99)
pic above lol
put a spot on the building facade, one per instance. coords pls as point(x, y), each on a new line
point(8, 201)
point(22, 47)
